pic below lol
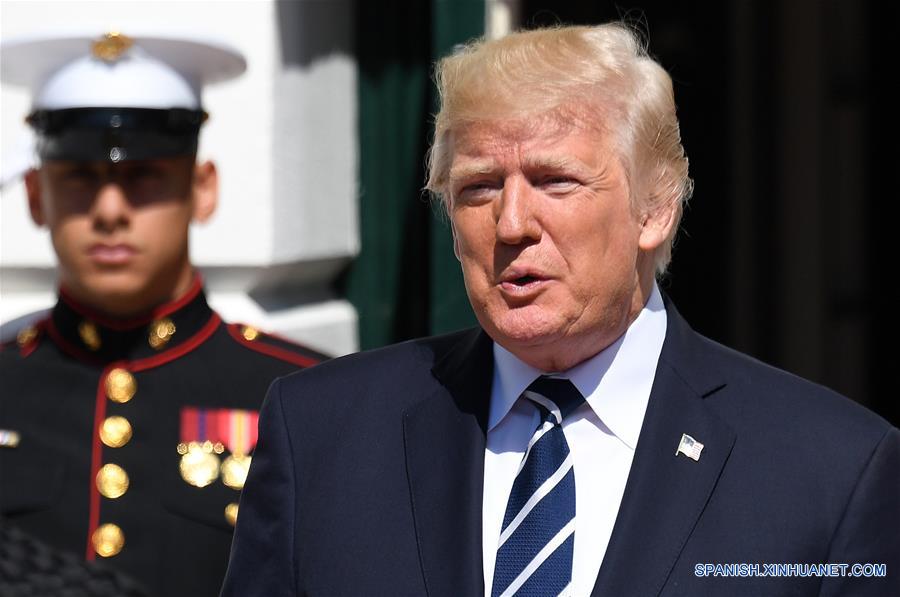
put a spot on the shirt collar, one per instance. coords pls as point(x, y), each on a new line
point(615, 382)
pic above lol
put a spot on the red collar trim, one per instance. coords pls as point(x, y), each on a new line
point(273, 351)
point(69, 348)
point(178, 351)
point(139, 364)
point(121, 325)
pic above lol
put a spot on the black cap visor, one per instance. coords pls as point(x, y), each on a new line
point(116, 134)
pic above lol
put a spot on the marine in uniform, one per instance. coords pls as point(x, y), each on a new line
point(128, 415)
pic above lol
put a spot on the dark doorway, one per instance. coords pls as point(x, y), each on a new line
point(782, 249)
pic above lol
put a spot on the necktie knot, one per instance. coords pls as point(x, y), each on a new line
point(555, 396)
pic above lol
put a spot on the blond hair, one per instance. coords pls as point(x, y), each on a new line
point(600, 75)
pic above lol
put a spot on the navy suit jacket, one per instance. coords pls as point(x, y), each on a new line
point(368, 475)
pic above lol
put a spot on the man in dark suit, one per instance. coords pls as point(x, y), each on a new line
point(584, 440)
point(127, 415)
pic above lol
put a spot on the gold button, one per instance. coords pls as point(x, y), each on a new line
point(250, 333)
point(120, 385)
point(231, 512)
point(89, 335)
point(26, 336)
point(108, 540)
point(112, 481)
point(161, 332)
point(115, 432)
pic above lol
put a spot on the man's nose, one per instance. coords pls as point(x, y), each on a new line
point(516, 222)
point(110, 209)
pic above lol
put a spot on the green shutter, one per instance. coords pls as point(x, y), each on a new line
point(406, 281)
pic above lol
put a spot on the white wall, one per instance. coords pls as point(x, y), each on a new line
point(283, 136)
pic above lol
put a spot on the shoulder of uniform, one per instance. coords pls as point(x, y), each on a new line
point(274, 346)
point(26, 339)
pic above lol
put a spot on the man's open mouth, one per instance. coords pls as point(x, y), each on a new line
point(524, 280)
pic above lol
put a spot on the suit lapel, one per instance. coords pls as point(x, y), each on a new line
point(665, 494)
point(444, 439)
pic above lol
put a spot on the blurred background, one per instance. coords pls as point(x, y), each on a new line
point(323, 233)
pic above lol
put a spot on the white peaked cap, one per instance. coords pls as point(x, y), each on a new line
point(67, 70)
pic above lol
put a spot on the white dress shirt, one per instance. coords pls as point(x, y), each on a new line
point(602, 435)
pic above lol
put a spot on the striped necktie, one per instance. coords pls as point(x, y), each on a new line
point(534, 556)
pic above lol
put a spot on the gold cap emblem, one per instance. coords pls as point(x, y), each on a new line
point(161, 332)
point(112, 481)
point(120, 385)
point(108, 540)
point(250, 333)
point(234, 470)
point(111, 46)
point(115, 431)
point(89, 335)
point(231, 512)
point(199, 464)
point(26, 335)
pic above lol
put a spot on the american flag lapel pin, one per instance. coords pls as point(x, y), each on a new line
point(689, 447)
point(9, 438)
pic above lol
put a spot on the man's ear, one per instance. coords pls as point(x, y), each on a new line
point(33, 190)
point(656, 225)
point(205, 191)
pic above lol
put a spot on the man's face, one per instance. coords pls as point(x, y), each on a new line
point(555, 260)
point(120, 231)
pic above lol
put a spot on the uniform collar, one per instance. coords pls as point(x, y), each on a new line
point(89, 336)
point(615, 382)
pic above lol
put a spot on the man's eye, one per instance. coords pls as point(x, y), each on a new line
point(80, 176)
point(558, 181)
point(144, 172)
point(477, 190)
point(559, 184)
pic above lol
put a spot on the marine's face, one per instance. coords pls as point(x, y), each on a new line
point(120, 231)
point(551, 250)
